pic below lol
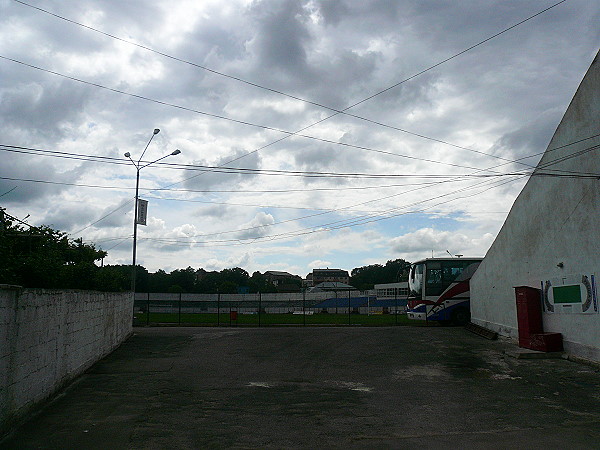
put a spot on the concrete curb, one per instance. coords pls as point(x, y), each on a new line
point(524, 353)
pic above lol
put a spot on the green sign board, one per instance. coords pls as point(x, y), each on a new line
point(567, 294)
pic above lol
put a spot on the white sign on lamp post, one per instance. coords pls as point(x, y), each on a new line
point(142, 211)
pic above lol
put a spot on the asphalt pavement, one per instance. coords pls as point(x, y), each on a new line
point(329, 387)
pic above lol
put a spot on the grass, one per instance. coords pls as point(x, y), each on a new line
point(223, 319)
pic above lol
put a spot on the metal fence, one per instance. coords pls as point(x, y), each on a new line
point(323, 308)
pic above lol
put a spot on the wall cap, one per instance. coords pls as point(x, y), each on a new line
point(11, 287)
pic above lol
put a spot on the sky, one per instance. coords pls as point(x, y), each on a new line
point(312, 134)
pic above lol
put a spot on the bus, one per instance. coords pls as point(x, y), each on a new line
point(439, 289)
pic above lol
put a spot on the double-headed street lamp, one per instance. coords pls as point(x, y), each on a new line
point(136, 219)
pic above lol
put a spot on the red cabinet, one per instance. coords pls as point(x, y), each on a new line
point(529, 312)
point(531, 326)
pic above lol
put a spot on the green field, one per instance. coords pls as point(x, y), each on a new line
point(223, 319)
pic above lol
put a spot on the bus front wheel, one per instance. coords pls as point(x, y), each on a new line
point(461, 316)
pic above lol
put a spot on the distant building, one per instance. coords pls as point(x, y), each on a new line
point(307, 282)
point(276, 277)
point(200, 274)
point(331, 286)
point(392, 290)
point(284, 281)
point(289, 287)
point(327, 275)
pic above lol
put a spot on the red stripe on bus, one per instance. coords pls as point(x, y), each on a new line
point(453, 291)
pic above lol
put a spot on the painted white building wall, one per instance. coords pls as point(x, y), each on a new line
point(48, 337)
point(554, 222)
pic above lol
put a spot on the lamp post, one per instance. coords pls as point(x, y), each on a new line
point(138, 166)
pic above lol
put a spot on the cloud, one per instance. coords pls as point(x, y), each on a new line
point(34, 180)
point(240, 261)
point(213, 211)
point(425, 241)
point(68, 216)
point(258, 227)
point(169, 240)
point(281, 36)
point(317, 264)
point(42, 108)
point(212, 178)
point(532, 138)
point(504, 97)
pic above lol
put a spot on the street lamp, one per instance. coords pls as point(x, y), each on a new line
point(138, 166)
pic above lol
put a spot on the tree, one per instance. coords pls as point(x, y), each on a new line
point(258, 283)
point(115, 278)
point(159, 281)
point(209, 283)
point(185, 279)
point(228, 287)
point(236, 275)
point(45, 258)
point(366, 277)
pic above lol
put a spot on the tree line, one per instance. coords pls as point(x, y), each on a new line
point(41, 257)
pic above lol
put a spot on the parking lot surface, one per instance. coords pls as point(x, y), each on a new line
point(329, 387)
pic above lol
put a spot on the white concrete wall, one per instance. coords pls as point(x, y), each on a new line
point(553, 220)
point(48, 337)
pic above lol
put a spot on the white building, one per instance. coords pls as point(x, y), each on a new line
point(392, 290)
point(551, 237)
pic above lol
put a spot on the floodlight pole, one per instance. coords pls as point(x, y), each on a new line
point(138, 166)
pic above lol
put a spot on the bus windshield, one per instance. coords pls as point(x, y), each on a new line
point(415, 281)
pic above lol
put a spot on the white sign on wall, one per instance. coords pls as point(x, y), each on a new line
point(571, 294)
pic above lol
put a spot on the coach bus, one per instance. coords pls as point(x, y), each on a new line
point(439, 289)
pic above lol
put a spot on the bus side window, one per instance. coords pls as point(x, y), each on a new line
point(434, 279)
point(450, 273)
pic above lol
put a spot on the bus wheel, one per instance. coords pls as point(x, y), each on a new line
point(461, 316)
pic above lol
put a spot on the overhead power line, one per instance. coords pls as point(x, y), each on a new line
point(216, 191)
point(279, 92)
point(387, 89)
point(288, 133)
point(226, 169)
point(361, 220)
point(347, 209)
point(338, 224)
point(251, 171)
point(218, 169)
point(316, 229)
point(382, 215)
point(355, 104)
point(243, 122)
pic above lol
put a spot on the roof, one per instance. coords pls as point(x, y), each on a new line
point(400, 284)
point(330, 270)
point(448, 258)
point(332, 286)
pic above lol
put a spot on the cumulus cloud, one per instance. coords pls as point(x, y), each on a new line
point(281, 36)
point(239, 261)
point(258, 227)
point(213, 178)
point(213, 211)
point(504, 97)
point(318, 263)
point(424, 242)
point(33, 180)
